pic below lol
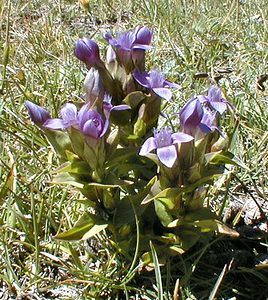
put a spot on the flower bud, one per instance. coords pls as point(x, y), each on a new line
point(88, 52)
point(94, 87)
point(37, 113)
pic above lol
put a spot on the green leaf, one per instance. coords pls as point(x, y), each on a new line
point(189, 237)
point(120, 155)
point(157, 273)
point(124, 212)
point(221, 157)
point(83, 228)
point(120, 117)
point(134, 99)
point(169, 193)
point(60, 141)
point(163, 213)
point(94, 230)
point(66, 178)
point(77, 167)
point(140, 127)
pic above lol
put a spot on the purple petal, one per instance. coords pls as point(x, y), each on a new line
point(220, 107)
point(192, 113)
point(163, 93)
point(148, 146)
point(120, 107)
point(90, 129)
point(142, 78)
point(171, 84)
point(82, 115)
point(107, 36)
point(214, 93)
point(88, 52)
point(156, 79)
point(181, 137)
point(202, 99)
point(55, 124)
point(141, 47)
point(110, 55)
point(125, 40)
point(167, 155)
point(204, 128)
point(69, 114)
point(143, 35)
point(38, 114)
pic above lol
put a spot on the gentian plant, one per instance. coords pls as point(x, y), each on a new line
point(142, 183)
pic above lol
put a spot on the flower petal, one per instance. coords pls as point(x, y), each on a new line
point(148, 146)
point(120, 107)
point(163, 93)
point(142, 78)
point(69, 114)
point(171, 84)
point(167, 155)
point(143, 35)
point(220, 107)
point(214, 94)
point(55, 124)
point(141, 47)
point(181, 137)
point(191, 114)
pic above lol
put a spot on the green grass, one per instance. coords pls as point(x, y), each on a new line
point(37, 64)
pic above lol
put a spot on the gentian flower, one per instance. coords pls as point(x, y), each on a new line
point(91, 123)
point(128, 45)
point(194, 117)
point(88, 122)
point(156, 82)
point(38, 114)
point(88, 52)
point(191, 114)
point(215, 100)
point(164, 142)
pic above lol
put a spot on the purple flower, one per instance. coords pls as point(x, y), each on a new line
point(164, 142)
point(88, 52)
point(89, 122)
point(38, 114)
point(194, 117)
point(140, 38)
point(130, 46)
point(191, 114)
point(215, 100)
point(156, 82)
point(143, 37)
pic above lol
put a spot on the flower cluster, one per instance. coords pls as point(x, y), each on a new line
point(111, 147)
